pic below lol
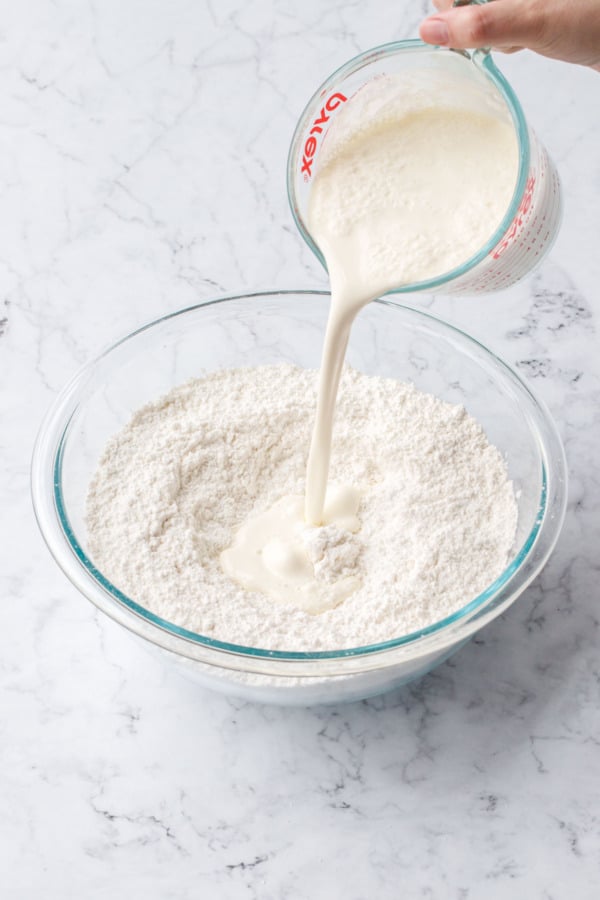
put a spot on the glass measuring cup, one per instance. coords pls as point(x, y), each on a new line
point(532, 219)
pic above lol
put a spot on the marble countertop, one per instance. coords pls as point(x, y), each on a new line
point(142, 167)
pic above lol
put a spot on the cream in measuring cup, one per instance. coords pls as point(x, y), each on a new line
point(435, 79)
point(411, 169)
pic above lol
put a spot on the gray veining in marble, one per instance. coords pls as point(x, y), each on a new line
point(142, 163)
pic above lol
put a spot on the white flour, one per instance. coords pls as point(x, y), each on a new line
point(438, 514)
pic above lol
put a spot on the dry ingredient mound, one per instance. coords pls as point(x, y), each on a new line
point(438, 513)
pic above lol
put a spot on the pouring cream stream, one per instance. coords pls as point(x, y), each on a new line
point(407, 188)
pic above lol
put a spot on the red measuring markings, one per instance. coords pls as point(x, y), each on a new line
point(310, 144)
point(524, 207)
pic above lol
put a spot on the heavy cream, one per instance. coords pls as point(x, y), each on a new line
point(273, 552)
point(408, 187)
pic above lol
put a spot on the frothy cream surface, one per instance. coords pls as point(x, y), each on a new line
point(408, 187)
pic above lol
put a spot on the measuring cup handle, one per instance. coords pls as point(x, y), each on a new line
point(473, 3)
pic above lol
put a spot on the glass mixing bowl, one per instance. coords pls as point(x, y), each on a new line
point(388, 339)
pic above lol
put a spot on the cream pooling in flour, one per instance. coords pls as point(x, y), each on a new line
point(408, 187)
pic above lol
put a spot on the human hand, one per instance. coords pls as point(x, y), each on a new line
point(567, 31)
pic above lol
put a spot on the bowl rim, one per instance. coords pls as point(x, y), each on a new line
point(54, 524)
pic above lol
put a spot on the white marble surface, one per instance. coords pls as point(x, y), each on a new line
point(142, 158)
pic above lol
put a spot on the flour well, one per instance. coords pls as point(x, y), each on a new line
point(437, 512)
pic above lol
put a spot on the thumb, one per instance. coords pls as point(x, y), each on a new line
point(500, 24)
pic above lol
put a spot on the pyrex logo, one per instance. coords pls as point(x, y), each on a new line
point(310, 144)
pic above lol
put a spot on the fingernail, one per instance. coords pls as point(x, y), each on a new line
point(435, 31)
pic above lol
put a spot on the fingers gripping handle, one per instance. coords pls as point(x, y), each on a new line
point(473, 3)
